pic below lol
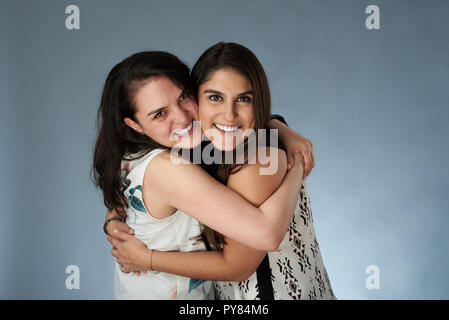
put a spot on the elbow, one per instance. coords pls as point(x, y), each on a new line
point(274, 245)
point(238, 270)
point(241, 278)
point(269, 244)
point(240, 275)
point(269, 239)
point(273, 240)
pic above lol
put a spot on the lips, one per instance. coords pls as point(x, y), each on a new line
point(183, 132)
point(225, 128)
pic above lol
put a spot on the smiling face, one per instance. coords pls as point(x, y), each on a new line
point(226, 108)
point(166, 114)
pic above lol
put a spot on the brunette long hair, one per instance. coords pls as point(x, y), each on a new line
point(115, 139)
point(242, 60)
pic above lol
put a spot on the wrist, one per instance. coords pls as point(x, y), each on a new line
point(108, 222)
point(146, 259)
point(111, 226)
point(153, 263)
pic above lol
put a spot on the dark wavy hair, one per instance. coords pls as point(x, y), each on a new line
point(115, 139)
point(242, 60)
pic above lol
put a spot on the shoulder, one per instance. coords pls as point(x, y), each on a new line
point(168, 168)
point(166, 158)
point(257, 180)
point(268, 161)
point(160, 179)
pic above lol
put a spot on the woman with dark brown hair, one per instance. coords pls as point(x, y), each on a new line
point(233, 97)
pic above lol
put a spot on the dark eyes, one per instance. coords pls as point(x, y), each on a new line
point(216, 97)
point(244, 99)
point(184, 95)
point(159, 114)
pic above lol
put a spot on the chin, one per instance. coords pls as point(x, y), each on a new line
point(224, 146)
point(192, 140)
point(227, 148)
point(188, 143)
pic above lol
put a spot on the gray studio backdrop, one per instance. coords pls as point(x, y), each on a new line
point(373, 101)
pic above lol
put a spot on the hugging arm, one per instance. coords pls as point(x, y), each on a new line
point(294, 142)
point(236, 262)
point(185, 187)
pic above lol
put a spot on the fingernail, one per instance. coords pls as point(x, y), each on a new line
point(289, 165)
point(115, 230)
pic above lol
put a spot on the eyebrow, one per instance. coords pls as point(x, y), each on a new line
point(155, 111)
point(162, 108)
point(218, 92)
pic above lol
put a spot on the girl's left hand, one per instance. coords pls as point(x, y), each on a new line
point(130, 252)
point(296, 143)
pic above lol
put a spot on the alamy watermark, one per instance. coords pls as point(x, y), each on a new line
point(249, 147)
point(73, 280)
point(373, 280)
point(72, 22)
point(373, 20)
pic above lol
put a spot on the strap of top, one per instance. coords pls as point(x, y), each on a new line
point(148, 157)
point(138, 172)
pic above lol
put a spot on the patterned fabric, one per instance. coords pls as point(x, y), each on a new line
point(297, 268)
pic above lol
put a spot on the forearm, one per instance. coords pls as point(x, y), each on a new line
point(283, 130)
point(111, 214)
point(279, 208)
point(294, 143)
point(205, 265)
point(222, 209)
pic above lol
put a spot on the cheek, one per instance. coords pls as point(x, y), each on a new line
point(205, 113)
point(159, 133)
point(248, 116)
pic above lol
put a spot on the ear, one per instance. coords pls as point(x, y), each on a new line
point(134, 125)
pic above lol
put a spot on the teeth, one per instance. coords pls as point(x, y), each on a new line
point(226, 128)
point(184, 131)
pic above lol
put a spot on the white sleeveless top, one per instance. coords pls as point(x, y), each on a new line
point(173, 233)
point(296, 268)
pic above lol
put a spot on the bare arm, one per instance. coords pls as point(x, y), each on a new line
point(237, 261)
point(294, 142)
point(224, 210)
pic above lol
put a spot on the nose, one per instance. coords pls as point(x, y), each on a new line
point(180, 115)
point(230, 111)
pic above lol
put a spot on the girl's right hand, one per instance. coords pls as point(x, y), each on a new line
point(298, 163)
point(116, 224)
point(130, 251)
point(119, 225)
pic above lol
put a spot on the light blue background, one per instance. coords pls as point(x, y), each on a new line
point(374, 103)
